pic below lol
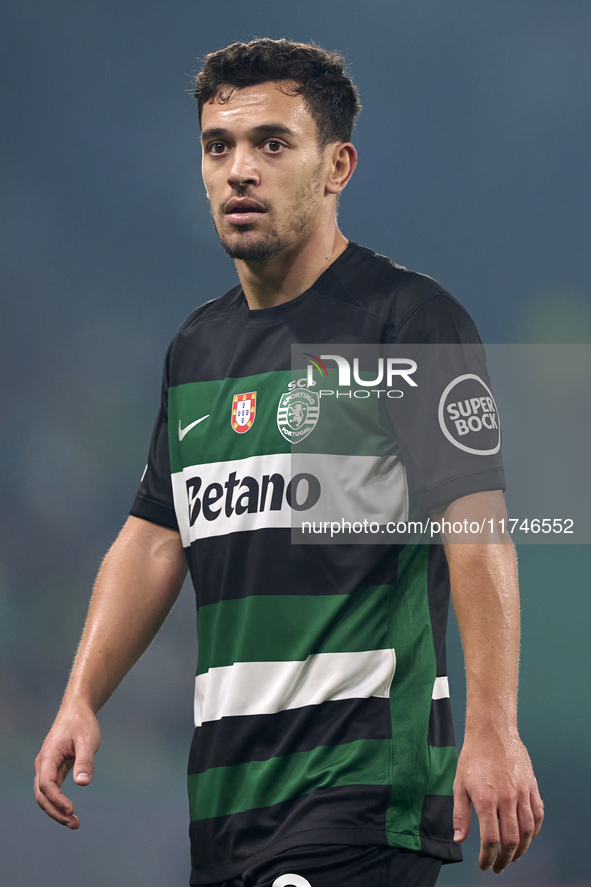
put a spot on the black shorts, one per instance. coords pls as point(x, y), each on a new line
point(336, 865)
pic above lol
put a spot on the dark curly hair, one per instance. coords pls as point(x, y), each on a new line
point(329, 93)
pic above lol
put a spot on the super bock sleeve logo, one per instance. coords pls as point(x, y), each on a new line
point(468, 416)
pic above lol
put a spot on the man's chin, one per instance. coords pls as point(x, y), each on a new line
point(253, 250)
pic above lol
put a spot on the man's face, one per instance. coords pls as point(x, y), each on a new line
point(263, 170)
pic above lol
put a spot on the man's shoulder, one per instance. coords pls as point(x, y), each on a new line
point(214, 309)
point(199, 334)
point(373, 278)
point(377, 284)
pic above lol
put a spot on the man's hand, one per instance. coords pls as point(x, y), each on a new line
point(495, 774)
point(72, 742)
point(138, 583)
point(494, 770)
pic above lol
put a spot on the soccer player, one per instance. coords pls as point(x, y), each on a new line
point(323, 751)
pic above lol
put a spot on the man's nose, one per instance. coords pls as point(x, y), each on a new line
point(243, 170)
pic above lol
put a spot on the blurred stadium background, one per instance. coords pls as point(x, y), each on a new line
point(474, 168)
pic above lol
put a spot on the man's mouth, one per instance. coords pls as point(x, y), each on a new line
point(242, 210)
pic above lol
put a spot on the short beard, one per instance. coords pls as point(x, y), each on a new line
point(273, 243)
point(271, 246)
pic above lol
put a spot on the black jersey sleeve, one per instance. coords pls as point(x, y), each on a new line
point(154, 499)
point(447, 425)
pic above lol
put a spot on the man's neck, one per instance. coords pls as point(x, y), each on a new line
point(284, 278)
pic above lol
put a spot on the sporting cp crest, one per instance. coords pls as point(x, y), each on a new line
point(297, 414)
point(243, 411)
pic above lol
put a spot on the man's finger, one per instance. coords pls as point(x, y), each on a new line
point(70, 820)
point(462, 813)
point(47, 785)
point(509, 836)
point(55, 804)
point(83, 767)
point(48, 795)
point(537, 806)
point(489, 833)
point(525, 818)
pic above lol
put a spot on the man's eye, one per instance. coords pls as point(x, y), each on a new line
point(274, 146)
point(217, 148)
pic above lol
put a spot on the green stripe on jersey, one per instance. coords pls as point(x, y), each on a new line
point(225, 790)
point(345, 426)
point(214, 439)
point(269, 628)
point(443, 769)
point(410, 697)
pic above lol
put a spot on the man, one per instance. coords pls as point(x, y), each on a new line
point(323, 752)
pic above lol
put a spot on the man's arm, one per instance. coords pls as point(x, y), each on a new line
point(494, 770)
point(138, 583)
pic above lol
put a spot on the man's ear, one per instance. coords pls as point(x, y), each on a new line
point(343, 160)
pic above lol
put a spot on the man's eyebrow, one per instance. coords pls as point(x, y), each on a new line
point(261, 130)
point(273, 129)
point(214, 133)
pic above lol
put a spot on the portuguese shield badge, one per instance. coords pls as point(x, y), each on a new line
point(243, 411)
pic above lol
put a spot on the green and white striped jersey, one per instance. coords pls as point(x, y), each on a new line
point(321, 699)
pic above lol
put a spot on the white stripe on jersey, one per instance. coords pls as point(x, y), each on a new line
point(440, 688)
point(258, 688)
point(321, 488)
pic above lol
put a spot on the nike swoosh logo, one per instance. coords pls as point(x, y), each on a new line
point(183, 431)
